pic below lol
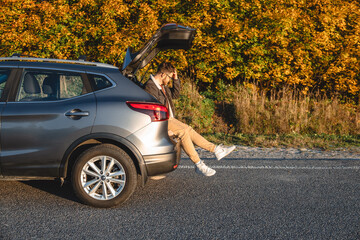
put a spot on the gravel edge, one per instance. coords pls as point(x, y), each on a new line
point(245, 152)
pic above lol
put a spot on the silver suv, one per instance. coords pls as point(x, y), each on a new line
point(87, 122)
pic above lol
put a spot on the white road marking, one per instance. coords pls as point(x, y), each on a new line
point(280, 167)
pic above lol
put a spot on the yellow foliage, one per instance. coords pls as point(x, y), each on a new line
point(312, 45)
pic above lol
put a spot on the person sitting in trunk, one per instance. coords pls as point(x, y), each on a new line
point(157, 86)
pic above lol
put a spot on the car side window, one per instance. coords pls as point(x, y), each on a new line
point(4, 75)
point(100, 82)
point(41, 85)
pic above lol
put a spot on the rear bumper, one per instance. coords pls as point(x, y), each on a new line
point(162, 163)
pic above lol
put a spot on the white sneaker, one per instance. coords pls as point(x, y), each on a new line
point(202, 169)
point(221, 151)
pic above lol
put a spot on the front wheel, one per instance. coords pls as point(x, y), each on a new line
point(104, 176)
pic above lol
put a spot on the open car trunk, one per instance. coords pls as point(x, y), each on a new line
point(169, 36)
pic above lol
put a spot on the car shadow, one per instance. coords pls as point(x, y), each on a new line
point(64, 191)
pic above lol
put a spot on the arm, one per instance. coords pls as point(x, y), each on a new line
point(175, 90)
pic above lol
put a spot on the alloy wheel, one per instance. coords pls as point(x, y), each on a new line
point(103, 178)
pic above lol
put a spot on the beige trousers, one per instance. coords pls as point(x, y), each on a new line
point(188, 137)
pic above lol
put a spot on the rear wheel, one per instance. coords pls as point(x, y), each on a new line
point(104, 176)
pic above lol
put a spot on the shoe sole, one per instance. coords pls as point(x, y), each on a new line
point(209, 175)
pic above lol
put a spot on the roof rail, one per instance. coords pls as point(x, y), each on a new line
point(16, 57)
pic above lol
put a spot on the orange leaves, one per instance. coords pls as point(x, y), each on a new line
point(115, 9)
point(308, 44)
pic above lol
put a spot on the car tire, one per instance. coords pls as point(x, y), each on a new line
point(104, 176)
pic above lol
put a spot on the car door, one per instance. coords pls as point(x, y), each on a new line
point(48, 111)
point(6, 74)
point(169, 36)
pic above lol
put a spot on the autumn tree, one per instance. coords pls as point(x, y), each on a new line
point(307, 44)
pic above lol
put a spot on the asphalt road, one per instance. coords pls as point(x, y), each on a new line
point(246, 199)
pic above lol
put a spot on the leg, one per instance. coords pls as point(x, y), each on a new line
point(181, 130)
point(178, 128)
point(187, 136)
point(185, 133)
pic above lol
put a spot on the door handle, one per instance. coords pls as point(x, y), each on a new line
point(76, 114)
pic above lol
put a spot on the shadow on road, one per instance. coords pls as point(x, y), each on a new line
point(54, 187)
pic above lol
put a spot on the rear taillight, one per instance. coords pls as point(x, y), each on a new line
point(157, 112)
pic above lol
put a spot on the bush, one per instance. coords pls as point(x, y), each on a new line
point(310, 45)
point(290, 112)
point(193, 109)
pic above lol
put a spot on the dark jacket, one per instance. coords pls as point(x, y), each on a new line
point(171, 93)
